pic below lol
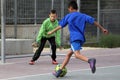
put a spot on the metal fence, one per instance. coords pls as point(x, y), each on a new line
point(110, 19)
point(33, 12)
point(24, 12)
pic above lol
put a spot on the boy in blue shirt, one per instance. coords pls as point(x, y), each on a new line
point(76, 23)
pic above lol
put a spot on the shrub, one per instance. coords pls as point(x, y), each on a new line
point(110, 41)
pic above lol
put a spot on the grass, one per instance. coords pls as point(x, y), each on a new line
point(110, 41)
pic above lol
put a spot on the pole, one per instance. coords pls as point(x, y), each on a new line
point(98, 19)
point(52, 5)
point(2, 31)
point(62, 15)
point(15, 19)
point(78, 2)
point(35, 13)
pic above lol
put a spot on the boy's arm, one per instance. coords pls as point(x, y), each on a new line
point(57, 37)
point(40, 33)
point(38, 38)
point(105, 31)
point(54, 30)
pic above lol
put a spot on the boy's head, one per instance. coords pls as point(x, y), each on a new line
point(53, 15)
point(72, 6)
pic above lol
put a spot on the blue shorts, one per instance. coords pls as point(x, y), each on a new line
point(76, 45)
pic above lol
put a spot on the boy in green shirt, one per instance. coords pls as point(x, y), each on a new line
point(48, 25)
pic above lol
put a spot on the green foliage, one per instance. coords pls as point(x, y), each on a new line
point(110, 41)
point(92, 44)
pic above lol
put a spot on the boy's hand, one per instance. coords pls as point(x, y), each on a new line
point(49, 33)
point(54, 30)
point(35, 44)
point(105, 31)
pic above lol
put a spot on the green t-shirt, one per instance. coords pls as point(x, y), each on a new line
point(45, 28)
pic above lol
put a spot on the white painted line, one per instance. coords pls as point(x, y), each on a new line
point(97, 68)
point(26, 76)
point(51, 73)
point(116, 54)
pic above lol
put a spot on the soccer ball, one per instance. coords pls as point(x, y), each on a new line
point(64, 70)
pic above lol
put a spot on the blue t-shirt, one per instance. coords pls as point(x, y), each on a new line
point(76, 23)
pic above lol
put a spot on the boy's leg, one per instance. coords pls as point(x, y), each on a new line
point(76, 46)
point(78, 55)
point(65, 62)
point(91, 61)
point(53, 48)
point(67, 58)
point(38, 51)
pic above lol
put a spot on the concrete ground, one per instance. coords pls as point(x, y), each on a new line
point(108, 66)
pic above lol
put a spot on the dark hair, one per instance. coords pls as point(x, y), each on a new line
point(73, 4)
point(53, 11)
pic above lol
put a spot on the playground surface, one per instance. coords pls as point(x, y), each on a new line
point(108, 66)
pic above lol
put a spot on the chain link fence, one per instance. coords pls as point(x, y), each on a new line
point(31, 13)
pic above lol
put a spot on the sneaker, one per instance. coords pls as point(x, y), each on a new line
point(32, 62)
point(92, 63)
point(54, 62)
point(57, 74)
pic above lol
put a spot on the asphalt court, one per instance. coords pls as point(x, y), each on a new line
point(103, 73)
point(108, 67)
